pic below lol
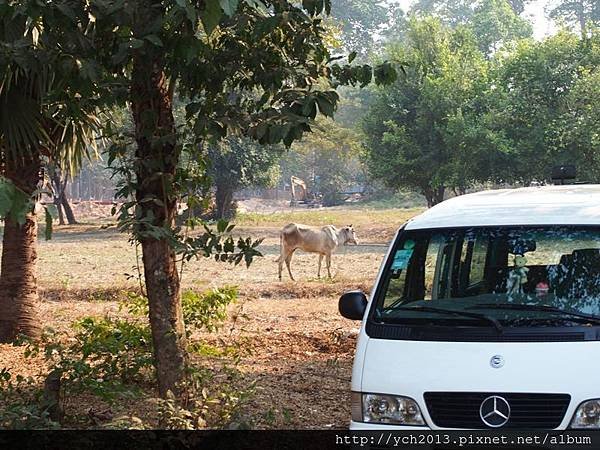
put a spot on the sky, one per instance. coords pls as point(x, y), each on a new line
point(542, 26)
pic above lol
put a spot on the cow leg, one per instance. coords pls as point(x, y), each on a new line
point(288, 261)
point(280, 261)
point(328, 264)
point(320, 260)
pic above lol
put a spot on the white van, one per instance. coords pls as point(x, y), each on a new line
point(485, 314)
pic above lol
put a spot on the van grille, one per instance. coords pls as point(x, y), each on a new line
point(461, 409)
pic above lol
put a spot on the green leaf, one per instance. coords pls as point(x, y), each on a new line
point(136, 43)
point(313, 7)
point(351, 57)
point(229, 6)
point(385, 74)
point(21, 206)
point(52, 210)
point(222, 225)
point(211, 15)
point(153, 39)
point(7, 193)
point(326, 107)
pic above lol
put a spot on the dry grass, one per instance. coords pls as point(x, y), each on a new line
point(360, 217)
point(301, 348)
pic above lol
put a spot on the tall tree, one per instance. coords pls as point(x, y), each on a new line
point(532, 90)
point(419, 131)
point(518, 6)
point(574, 134)
point(450, 12)
point(58, 182)
point(47, 107)
point(362, 22)
point(328, 159)
point(578, 13)
point(238, 163)
point(262, 70)
point(494, 22)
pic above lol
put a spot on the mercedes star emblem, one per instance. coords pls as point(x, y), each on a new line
point(494, 411)
point(497, 361)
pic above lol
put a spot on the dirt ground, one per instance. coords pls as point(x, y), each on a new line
point(301, 348)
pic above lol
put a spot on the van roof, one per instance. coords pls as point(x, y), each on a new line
point(540, 205)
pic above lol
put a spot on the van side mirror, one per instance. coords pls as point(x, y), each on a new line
point(352, 305)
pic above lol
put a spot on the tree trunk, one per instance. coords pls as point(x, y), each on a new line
point(157, 155)
point(224, 201)
point(67, 207)
point(18, 277)
point(428, 194)
point(59, 209)
point(438, 195)
point(55, 183)
point(433, 195)
point(59, 185)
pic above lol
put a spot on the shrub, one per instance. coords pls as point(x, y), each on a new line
point(208, 310)
point(107, 357)
point(112, 358)
point(23, 406)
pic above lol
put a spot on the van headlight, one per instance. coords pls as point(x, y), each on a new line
point(388, 409)
point(587, 415)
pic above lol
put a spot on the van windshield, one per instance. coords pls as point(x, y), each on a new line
point(493, 277)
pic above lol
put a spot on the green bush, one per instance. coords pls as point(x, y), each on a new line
point(107, 357)
point(207, 311)
point(112, 358)
point(23, 406)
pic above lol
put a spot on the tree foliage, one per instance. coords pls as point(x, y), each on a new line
point(457, 119)
point(494, 22)
point(237, 163)
point(362, 24)
point(537, 103)
point(260, 69)
point(581, 14)
point(426, 131)
point(328, 160)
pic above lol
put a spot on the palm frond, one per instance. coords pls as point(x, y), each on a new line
point(21, 122)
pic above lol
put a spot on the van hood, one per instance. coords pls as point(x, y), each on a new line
point(411, 368)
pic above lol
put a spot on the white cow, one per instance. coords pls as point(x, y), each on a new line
point(323, 241)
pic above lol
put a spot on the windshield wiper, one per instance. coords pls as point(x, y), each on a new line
point(546, 308)
point(482, 317)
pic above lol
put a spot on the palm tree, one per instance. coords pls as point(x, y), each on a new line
point(42, 118)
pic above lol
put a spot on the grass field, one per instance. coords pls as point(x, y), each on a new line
point(358, 216)
point(301, 349)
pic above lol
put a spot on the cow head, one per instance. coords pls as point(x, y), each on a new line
point(349, 235)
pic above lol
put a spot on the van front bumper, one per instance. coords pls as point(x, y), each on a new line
point(383, 427)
